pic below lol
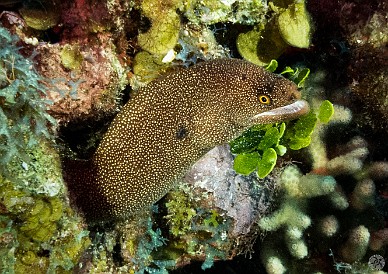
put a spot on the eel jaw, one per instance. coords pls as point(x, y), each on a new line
point(288, 112)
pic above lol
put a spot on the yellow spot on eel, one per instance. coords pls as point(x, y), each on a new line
point(170, 124)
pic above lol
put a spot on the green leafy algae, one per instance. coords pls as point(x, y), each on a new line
point(258, 149)
point(267, 163)
point(246, 163)
point(326, 111)
point(299, 133)
point(298, 76)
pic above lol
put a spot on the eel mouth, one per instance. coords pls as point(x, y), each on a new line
point(288, 112)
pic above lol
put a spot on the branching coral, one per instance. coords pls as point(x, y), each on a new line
point(292, 214)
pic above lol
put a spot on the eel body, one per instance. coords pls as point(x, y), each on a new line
point(170, 124)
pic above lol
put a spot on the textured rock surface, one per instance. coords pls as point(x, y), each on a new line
point(239, 196)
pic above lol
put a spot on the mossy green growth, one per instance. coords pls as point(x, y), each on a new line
point(148, 66)
point(67, 250)
point(36, 218)
point(8, 242)
point(39, 214)
point(180, 213)
point(38, 17)
point(165, 25)
point(33, 225)
point(71, 57)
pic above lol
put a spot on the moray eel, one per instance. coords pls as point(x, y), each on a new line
point(169, 125)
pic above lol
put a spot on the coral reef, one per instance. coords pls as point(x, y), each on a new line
point(68, 66)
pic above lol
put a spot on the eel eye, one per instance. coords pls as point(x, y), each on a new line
point(264, 99)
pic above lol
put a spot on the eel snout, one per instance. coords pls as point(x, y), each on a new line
point(288, 112)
